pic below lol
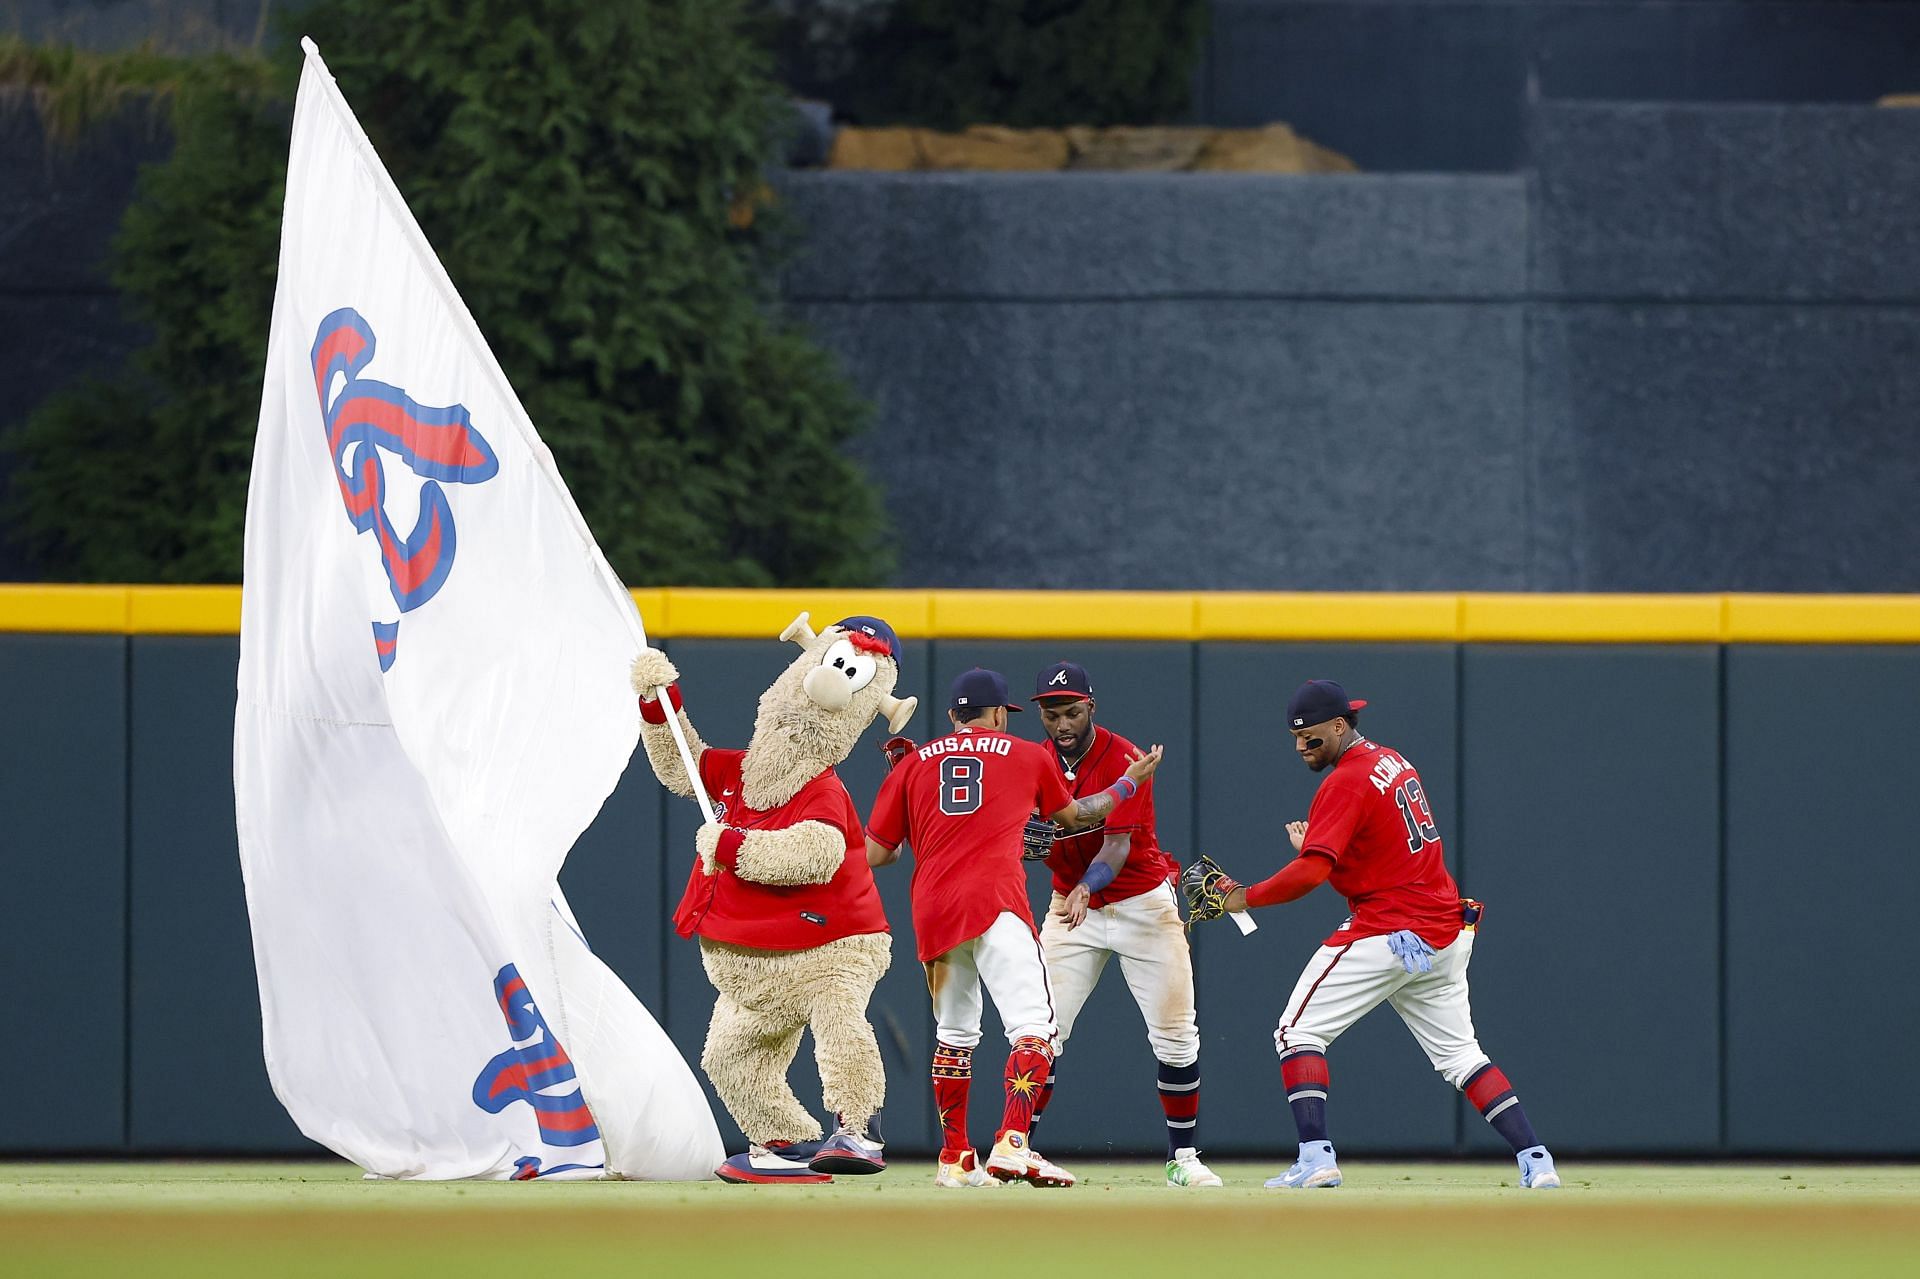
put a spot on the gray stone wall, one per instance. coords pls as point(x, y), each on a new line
point(1676, 356)
point(1722, 344)
point(1676, 353)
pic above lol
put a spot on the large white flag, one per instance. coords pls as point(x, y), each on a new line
point(432, 707)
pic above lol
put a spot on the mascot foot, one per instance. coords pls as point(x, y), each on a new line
point(845, 1153)
point(763, 1166)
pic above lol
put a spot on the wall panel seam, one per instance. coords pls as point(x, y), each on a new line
point(126, 893)
point(1723, 1042)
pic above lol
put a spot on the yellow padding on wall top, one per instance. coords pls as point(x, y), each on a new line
point(1142, 615)
point(1431, 617)
point(1303, 616)
point(1593, 619)
point(184, 610)
point(764, 614)
point(83, 609)
point(1825, 619)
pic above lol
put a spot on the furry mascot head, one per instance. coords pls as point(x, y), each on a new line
point(792, 932)
point(812, 715)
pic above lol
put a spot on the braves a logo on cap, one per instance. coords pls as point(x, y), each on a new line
point(368, 420)
point(535, 1070)
point(1059, 677)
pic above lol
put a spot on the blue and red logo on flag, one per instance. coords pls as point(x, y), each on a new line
point(532, 1070)
point(367, 418)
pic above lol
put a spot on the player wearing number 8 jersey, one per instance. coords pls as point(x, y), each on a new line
point(1370, 833)
point(962, 802)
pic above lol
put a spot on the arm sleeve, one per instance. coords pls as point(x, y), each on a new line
point(1296, 879)
point(887, 825)
point(1131, 813)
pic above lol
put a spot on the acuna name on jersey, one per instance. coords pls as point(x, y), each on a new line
point(1385, 769)
point(972, 745)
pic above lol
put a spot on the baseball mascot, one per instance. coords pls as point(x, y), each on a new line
point(791, 929)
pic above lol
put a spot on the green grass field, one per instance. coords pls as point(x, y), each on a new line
point(1399, 1221)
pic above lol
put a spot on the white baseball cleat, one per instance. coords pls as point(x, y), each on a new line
point(1185, 1169)
point(1013, 1160)
point(1536, 1170)
point(964, 1173)
point(1315, 1167)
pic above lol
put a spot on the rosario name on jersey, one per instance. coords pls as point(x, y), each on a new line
point(1147, 865)
point(962, 801)
point(1372, 818)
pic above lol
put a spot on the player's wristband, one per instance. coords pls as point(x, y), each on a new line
point(727, 851)
point(653, 712)
point(1098, 876)
point(1122, 790)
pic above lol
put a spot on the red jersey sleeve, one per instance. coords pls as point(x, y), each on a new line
point(710, 770)
point(1332, 820)
point(829, 804)
point(888, 822)
point(1136, 812)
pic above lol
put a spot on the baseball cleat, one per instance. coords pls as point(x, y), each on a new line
point(1185, 1169)
point(1013, 1160)
point(762, 1166)
point(845, 1152)
point(963, 1172)
point(1536, 1170)
point(1315, 1167)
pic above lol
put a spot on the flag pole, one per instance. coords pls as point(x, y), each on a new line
point(686, 755)
point(673, 717)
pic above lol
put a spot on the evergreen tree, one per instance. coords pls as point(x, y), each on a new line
point(586, 175)
point(945, 64)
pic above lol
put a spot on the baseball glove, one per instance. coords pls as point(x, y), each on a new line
point(897, 749)
point(1037, 839)
point(1205, 886)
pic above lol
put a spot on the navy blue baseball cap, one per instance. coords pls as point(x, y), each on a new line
point(871, 633)
point(1062, 679)
point(1317, 701)
point(981, 687)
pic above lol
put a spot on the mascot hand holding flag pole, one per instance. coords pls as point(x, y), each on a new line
point(409, 775)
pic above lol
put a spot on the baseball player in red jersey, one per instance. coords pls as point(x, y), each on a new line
point(1370, 833)
point(963, 801)
point(1113, 895)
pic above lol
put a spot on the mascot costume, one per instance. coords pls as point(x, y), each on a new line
point(791, 929)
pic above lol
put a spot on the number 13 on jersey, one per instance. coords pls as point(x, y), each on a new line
point(1414, 811)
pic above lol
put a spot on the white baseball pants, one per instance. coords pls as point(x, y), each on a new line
point(1146, 933)
point(1007, 959)
point(1342, 984)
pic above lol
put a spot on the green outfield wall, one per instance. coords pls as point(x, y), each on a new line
point(1686, 813)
